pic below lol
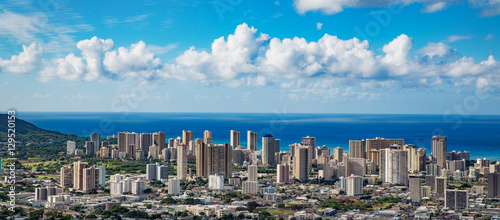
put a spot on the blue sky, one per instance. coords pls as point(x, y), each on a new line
point(328, 56)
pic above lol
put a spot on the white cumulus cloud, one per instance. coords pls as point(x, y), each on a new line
point(25, 62)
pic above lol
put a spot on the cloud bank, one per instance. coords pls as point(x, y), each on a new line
point(252, 59)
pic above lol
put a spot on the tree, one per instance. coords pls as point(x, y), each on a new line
point(252, 205)
point(168, 200)
point(265, 213)
point(37, 214)
point(91, 216)
point(92, 191)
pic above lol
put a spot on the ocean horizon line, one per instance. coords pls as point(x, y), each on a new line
point(257, 113)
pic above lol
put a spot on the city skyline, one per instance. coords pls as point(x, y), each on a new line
point(326, 57)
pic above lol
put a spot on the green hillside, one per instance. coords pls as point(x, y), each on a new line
point(32, 141)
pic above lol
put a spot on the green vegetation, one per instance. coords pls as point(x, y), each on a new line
point(264, 170)
point(168, 200)
point(32, 141)
point(346, 204)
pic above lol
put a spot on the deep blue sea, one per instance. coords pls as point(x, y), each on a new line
point(478, 134)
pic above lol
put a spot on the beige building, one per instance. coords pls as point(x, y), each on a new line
point(357, 149)
point(154, 152)
point(182, 152)
point(187, 136)
point(234, 138)
point(252, 141)
point(252, 172)
point(201, 159)
point(268, 150)
point(439, 150)
point(338, 153)
point(393, 166)
point(300, 166)
point(90, 178)
point(78, 175)
point(159, 140)
point(66, 176)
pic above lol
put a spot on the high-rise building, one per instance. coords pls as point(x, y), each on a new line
point(430, 180)
point(90, 178)
point(357, 149)
point(268, 151)
point(323, 150)
point(104, 152)
point(70, 147)
point(252, 172)
point(283, 173)
point(146, 140)
point(114, 153)
point(415, 159)
point(277, 144)
point(78, 175)
point(441, 186)
point(494, 185)
point(151, 172)
point(43, 193)
point(357, 166)
point(174, 186)
point(252, 141)
point(343, 183)
point(234, 138)
point(159, 140)
point(300, 166)
point(374, 155)
point(228, 162)
point(131, 143)
point(456, 199)
point(182, 152)
point(215, 159)
point(494, 168)
point(421, 159)
point(201, 159)
point(101, 180)
point(138, 186)
point(337, 153)
point(311, 143)
point(66, 176)
point(439, 150)
point(426, 191)
point(207, 134)
point(162, 172)
point(96, 138)
point(393, 166)
point(415, 187)
point(216, 182)
point(454, 165)
point(154, 152)
point(250, 187)
point(89, 147)
point(354, 185)
point(122, 141)
point(433, 169)
point(382, 143)
point(187, 136)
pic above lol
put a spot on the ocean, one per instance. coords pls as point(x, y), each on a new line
point(478, 134)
